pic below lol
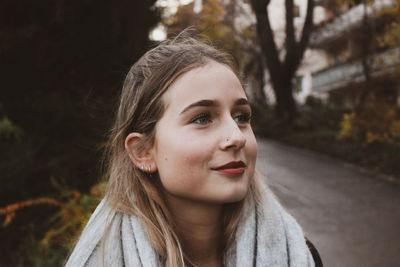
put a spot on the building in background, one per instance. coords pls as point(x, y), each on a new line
point(353, 61)
point(344, 58)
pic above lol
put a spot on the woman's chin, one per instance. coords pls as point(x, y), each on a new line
point(234, 196)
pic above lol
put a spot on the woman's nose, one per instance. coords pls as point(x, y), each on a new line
point(233, 137)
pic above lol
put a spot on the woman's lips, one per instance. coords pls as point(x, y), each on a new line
point(233, 167)
point(232, 171)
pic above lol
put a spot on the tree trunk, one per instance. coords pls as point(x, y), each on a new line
point(282, 72)
point(255, 68)
point(367, 39)
point(285, 104)
point(259, 74)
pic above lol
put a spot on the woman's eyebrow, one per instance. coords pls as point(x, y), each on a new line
point(241, 101)
point(201, 103)
point(213, 103)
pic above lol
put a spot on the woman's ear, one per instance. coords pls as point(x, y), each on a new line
point(139, 152)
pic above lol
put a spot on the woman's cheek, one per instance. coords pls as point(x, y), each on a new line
point(251, 152)
point(252, 146)
point(182, 170)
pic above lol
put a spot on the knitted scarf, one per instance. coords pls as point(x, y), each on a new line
point(269, 236)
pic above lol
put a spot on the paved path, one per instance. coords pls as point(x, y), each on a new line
point(351, 215)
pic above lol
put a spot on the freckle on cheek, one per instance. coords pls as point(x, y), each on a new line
point(166, 159)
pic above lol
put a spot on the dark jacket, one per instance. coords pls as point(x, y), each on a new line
point(314, 253)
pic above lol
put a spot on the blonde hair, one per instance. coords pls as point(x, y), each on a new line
point(132, 191)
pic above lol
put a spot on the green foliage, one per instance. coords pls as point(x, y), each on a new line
point(375, 123)
point(216, 21)
point(391, 36)
point(73, 212)
point(212, 23)
point(33, 253)
point(371, 140)
point(313, 117)
point(9, 130)
point(346, 125)
point(62, 67)
point(264, 122)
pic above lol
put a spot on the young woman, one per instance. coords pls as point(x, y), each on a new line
point(182, 187)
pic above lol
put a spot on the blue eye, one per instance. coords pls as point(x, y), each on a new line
point(202, 119)
point(243, 118)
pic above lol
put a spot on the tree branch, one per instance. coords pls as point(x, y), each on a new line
point(307, 28)
point(290, 34)
point(259, 5)
point(266, 37)
point(295, 54)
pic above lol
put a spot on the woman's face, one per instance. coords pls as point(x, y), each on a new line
point(205, 149)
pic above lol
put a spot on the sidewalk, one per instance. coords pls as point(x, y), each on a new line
point(351, 215)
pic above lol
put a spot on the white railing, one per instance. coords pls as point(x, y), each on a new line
point(346, 22)
point(339, 76)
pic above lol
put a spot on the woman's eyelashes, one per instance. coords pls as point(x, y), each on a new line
point(243, 117)
point(205, 118)
point(202, 118)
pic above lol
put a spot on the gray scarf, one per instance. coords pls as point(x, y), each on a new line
point(269, 236)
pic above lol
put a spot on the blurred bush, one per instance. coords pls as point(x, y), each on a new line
point(74, 211)
point(370, 138)
point(314, 118)
point(9, 130)
point(375, 123)
point(62, 65)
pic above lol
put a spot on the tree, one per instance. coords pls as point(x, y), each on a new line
point(217, 21)
point(371, 34)
point(183, 18)
point(283, 72)
point(62, 64)
point(368, 46)
point(391, 36)
point(381, 31)
point(365, 40)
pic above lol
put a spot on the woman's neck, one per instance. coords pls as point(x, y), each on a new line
point(199, 228)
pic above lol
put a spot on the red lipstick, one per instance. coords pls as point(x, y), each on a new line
point(233, 167)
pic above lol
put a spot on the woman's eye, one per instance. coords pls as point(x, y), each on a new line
point(202, 118)
point(243, 118)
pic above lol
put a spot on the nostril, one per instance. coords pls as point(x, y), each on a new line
point(237, 141)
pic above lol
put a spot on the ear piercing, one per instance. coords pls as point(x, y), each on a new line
point(145, 168)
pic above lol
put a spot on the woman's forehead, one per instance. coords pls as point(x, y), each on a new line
point(211, 81)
